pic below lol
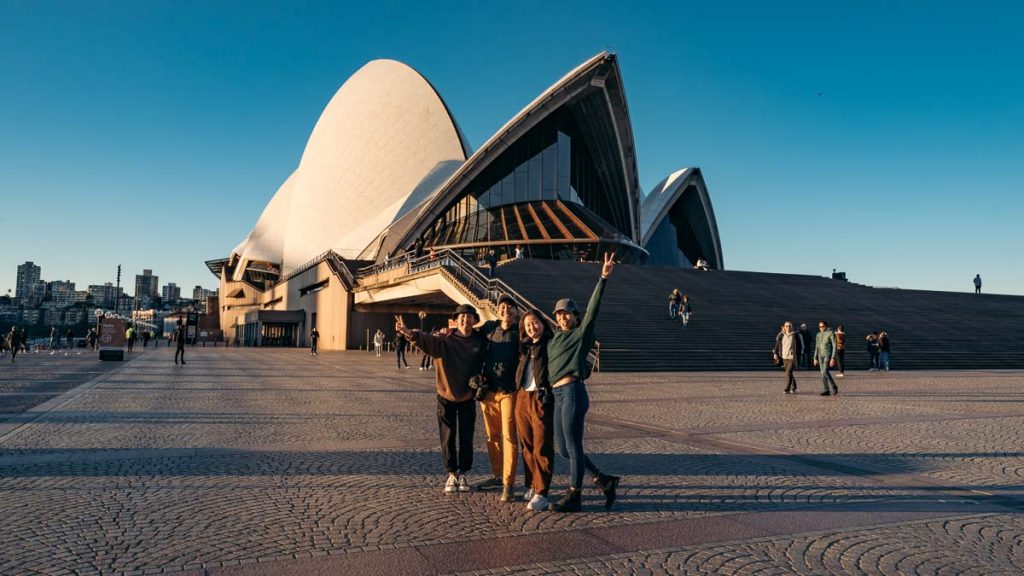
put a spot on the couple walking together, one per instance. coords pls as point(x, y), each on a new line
point(531, 385)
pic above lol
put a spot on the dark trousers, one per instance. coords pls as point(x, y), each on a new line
point(426, 361)
point(788, 365)
point(841, 360)
point(179, 350)
point(456, 421)
point(401, 357)
point(571, 405)
point(312, 348)
point(535, 425)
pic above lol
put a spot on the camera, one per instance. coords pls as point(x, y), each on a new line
point(480, 385)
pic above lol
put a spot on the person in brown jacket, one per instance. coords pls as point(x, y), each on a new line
point(458, 356)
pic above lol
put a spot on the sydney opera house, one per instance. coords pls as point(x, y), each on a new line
point(389, 207)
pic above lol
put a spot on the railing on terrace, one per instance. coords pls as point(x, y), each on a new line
point(471, 278)
point(333, 259)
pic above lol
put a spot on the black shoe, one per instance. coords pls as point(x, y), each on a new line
point(608, 484)
point(183, 362)
point(835, 389)
point(492, 483)
point(826, 393)
point(571, 502)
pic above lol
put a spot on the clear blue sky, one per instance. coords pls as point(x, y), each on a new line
point(152, 134)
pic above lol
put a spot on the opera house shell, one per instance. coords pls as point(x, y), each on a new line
point(387, 173)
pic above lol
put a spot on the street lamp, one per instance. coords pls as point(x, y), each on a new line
point(422, 315)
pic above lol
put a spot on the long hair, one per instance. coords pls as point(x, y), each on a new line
point(540, 318)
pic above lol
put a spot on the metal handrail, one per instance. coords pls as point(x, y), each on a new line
point(474, 280)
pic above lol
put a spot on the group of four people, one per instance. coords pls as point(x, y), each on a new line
point(530, 382)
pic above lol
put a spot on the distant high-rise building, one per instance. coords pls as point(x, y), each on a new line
point(147, 288)
point(35, 295)
point(171, 292)
point(28, 276)
point(199, 293)
point(103, 296)
point(62, 294)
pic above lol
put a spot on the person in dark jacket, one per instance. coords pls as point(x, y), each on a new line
point(535, 410)
point(872, 340)
point(497, 405)
point(314, 341)
point(457, 357)
point(400, 346)
point(788, 348)
point(180, 336)
point(685, 309)
point(567, 368)
point(14, 342)
point(807, 339)
point(884, 347)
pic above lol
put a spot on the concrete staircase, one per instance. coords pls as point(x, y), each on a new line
point(737, 315)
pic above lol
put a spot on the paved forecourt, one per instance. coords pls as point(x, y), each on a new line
point(270, 461)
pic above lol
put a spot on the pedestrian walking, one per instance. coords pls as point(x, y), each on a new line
point(492, 263)
point(14, 342)
point(685, 310)
point(129, 337)
point(535, 410)
point(458, 356)
point(146, 335)
point(884, 347)
point(567, 368)
point(54, 338)
point(977, 283)
point(179, 342)
point(400, 346)
point(314, 340)
point(426, 362)
point(788, 348)
point(825, 356)
point(674, 300)
point(70, 339)
point(807, 340)
point(91, 339)
point(378, 342)
point(497, 404)
point(841, 351)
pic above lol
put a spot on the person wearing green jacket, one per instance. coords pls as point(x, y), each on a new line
point(825, 351)
point(567, 368)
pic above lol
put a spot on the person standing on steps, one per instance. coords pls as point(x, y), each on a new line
point(674, 300)
point(314, 341)
point(179, 341)
point(458, 356)
point(825, 356)
point(685, 310)
point(788, 347)
point(567, 369)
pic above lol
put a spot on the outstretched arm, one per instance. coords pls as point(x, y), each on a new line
point(590, 318)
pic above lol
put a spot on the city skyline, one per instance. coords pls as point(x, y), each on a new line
point(845, 127)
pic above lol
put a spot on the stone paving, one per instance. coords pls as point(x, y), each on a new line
point(270, 461)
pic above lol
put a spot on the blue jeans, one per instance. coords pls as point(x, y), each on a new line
point(673, 309)
point(826, 375)
point(883, 360)
point(571, 405)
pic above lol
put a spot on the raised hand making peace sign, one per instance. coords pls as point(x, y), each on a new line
point(609, 264)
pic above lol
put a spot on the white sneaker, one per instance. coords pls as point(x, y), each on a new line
point(538, 502)
point(463, 483)
point(451, 485)
point(529, 494)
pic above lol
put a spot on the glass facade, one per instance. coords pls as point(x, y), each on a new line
point(543, 189)
point(683, 235)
